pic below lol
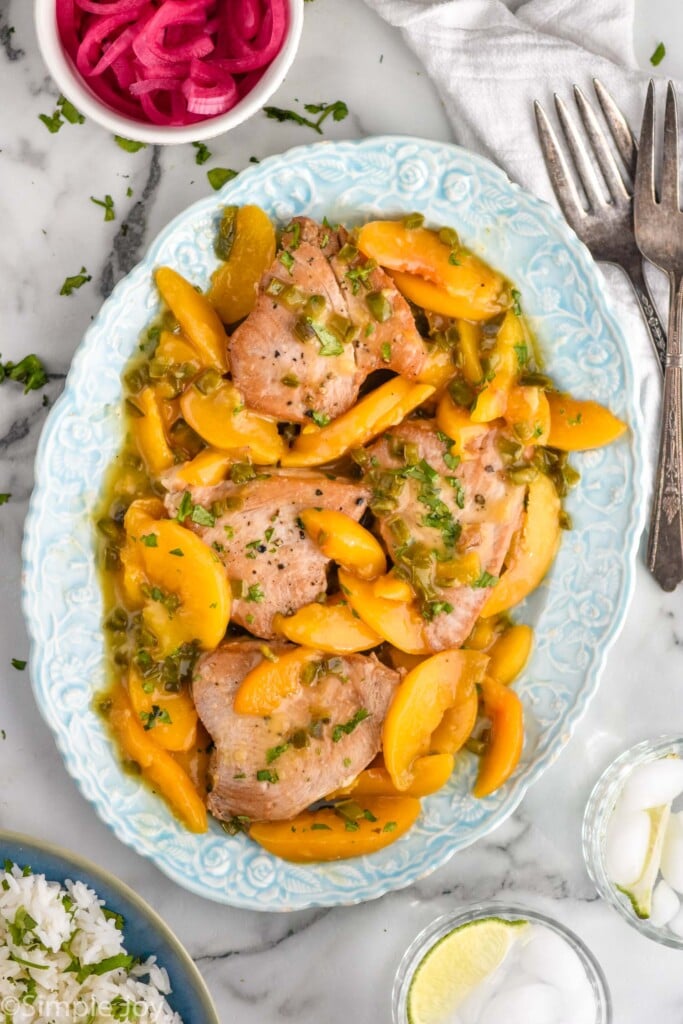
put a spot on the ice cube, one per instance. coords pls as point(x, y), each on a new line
point(549, 958)
point(580, 1007)
point(626, 843)
point(665, 904)
point(671, 864)
point(676, 924)
point(529, 1004)
point(653, 784)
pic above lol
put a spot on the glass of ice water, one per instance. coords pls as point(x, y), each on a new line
point(514, 966)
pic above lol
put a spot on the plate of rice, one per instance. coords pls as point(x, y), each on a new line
point(78, 945)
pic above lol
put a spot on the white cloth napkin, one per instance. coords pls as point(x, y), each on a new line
point(489, 60)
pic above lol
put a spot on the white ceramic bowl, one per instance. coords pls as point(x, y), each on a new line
point(76, 89)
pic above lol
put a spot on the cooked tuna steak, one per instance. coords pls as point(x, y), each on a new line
point(262, 546)
point(272, 768)
point(311, 340)
point(431, 513)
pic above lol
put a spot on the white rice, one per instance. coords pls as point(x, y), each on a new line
point(53, 928)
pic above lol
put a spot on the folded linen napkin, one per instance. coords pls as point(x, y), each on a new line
point(489, 60)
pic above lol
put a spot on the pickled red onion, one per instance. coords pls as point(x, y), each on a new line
point(172, 62)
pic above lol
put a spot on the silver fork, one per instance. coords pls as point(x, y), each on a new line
point(605, 226)
point(659, 233)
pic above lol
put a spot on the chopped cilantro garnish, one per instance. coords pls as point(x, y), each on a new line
point(74, 282)
point(267, 775)
point(18, 664)
point(386, 352)
point(346, 728)
point(52, 123)
point(107, 204)
point(202, 517)
point(149, 540)
point(219, 176)
point(130, 145)
point(330, 345)
point(150, 718)
point(4, 498)
point(338, 110)
point(522, 353)
point(255, 593)
point(516, 302)
point(319, 826)
point(197, 513)
point(203, 153)
point(434, 608)
point(29, 371)
point(389, 827)
point(178, 552)
point(453, 482)
point(273, 753)
point(321, 419)
point(69, 111)
point(485, 580)
point(658, 55)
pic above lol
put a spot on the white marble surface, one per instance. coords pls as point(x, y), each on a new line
point(334, 965)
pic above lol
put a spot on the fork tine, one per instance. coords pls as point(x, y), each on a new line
point(618, 125)
point(644, 185)
point(608, 164)
point(580, 157)
point(558, 169)
point(669, 186)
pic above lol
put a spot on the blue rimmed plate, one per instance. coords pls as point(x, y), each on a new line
point(144, 932)
point(577, 612)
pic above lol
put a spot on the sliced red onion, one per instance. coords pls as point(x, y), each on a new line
point(172, 61)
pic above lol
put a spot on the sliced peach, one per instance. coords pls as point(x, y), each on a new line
point(506, 357)
point(208, 468)
point(576, 426)
point(175, 349)
point(455, 728)
point(425, 269)
point(430, 774)
point(332, 628)
point(528, 413)
point(510, 653)
point(345, 542)
point(186, 592)
point(419, 704)
point(456, 423)
point(264, 688)
point(439, 368)
point(385, 407)
point(220, 419)
point(172, 716)
point(198, 320)
point(532, 554)
point(149, 433)
point(330, 835)
point(401, 660)
point(396, 621)
point(393, 588)
point(157, 765)
point(469, 339)
point(504, 749)
point(234, 285)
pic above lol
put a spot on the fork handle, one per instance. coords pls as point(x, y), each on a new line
point(665, 548)
point(648, 309)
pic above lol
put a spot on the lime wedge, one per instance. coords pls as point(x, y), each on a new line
point(640, 892)
point(455, 966)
